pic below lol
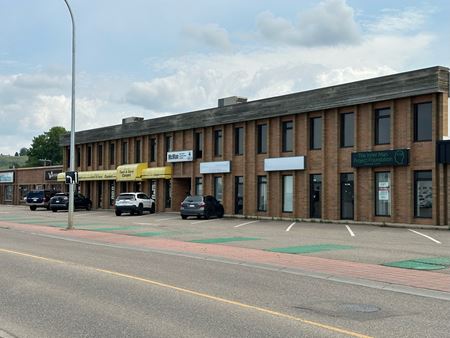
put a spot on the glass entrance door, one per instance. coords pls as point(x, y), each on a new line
point(315, 205)
point(239, 195)
point(347, 196)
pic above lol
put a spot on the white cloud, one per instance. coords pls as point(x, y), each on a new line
point(211, 35)
point(399, 21)
point(330, 23)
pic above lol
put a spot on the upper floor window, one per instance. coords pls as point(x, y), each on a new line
point(262, 138)
point(315, 140)
point(347, 130)
point(112, 153)
point(124, 152)
point(383, 126)
point(198, 145)
point(287, 136)
point(218, 142)
point(239, 141)
point(100, 154)
point(152, 149)
point(169, 146)
point(78, 157)
point(423, 122)
point(137, 151)
point(89, 156)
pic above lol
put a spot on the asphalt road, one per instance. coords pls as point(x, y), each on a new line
point(52, 287)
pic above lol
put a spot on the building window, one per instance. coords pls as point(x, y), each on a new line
point(422, 122)
point(315, 192)
point(382, 194)
point(288, 189)
point(315, 140)
point(423, 194)
point(218, 188)
point(152, 149)
point(100, 154)
point(238, 195)
point(124, 152)
point(78, 156)
point(287, 135)
point(112, 192)
point(89, 156)
point(198, 145)
point(169, 146)
point(112, 153)
point(262, 193)
point(167, 194)
point(218, 142)
point(262, 138)
point(383, 126)
point(137, 151)
point(199, 186)
point(347, 130)
point(239, 141)
point(9, 191)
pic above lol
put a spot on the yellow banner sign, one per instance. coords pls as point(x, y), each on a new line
point(97, 175)
point(130, 172)
point(158, 172)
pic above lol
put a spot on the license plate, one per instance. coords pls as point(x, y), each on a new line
point(191, 205)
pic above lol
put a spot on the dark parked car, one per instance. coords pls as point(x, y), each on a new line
point(39, 198)
point(201, 206)
point(61, 202)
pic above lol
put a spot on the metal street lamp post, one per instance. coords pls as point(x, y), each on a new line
point(72, 127)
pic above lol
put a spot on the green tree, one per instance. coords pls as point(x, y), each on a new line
point(23, 151)
point(46, 147)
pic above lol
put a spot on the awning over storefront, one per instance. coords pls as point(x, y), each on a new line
point(158, 172)
point(97, 175)
point(130, 172)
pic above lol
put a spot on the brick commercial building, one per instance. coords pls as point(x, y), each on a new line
point(364, 151)
point(16, 183)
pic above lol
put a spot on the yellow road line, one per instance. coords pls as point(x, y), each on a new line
point(202, 295)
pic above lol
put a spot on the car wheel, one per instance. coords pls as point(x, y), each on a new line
point(198, 216)
point(32, 207)
point(220, 213)
point(152, 209)
point(183, 216)
point(132, 212)
point(207, 214)
point(54, 210)
point(140, 209)
point(118, 213)
point(89, 206)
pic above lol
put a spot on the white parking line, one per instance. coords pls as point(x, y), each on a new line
point(205, 220)
point(145, 224)
point(290, 226)
point(242, 224)
point(421, 234)
point(166, 219)
point(350, 231)
point(89, 214)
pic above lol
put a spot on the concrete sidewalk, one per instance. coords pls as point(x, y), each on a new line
point(388, 278)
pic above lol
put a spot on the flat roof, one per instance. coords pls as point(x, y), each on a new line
point(412, 83)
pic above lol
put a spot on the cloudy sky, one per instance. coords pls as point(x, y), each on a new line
point(152, 58)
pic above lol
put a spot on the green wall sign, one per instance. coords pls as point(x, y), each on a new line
point(395, 157)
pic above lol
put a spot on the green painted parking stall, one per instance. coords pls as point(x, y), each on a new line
point(304, 249)
point(433, 263)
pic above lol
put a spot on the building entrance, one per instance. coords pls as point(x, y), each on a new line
point(239, 195)
point(315, 187)
point(347, 196)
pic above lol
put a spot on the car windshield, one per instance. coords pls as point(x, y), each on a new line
point(191, 199)
point(35, 194)
point(125, 197)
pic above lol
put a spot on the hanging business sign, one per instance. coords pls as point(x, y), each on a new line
point(7, 177)
point(215, 167)
point(180, 156)
point(51, 175)
point(284, 163)
point(397, 157)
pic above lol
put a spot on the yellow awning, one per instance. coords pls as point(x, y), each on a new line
point(130, 172)
point(158, 172)
point(96, 175)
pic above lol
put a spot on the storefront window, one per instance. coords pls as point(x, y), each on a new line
point(112, 192)
point(288, 188)
point(9, 193)
point(168, 194)
point(382, 194)
point(262, 193)
point(423, 194)
point(218, 188)
point(199, 186)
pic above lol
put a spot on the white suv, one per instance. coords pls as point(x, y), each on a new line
point(134, 202)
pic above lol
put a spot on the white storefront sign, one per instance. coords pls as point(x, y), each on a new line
point(180, 156)
point(7, 177)
point(215, 167)
point(284, 163)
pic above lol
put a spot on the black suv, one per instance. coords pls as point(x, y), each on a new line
point(39, 199)
point(201, 206)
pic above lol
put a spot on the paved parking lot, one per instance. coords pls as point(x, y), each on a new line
point(409, 248)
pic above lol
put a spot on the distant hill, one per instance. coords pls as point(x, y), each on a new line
point(7, 161)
